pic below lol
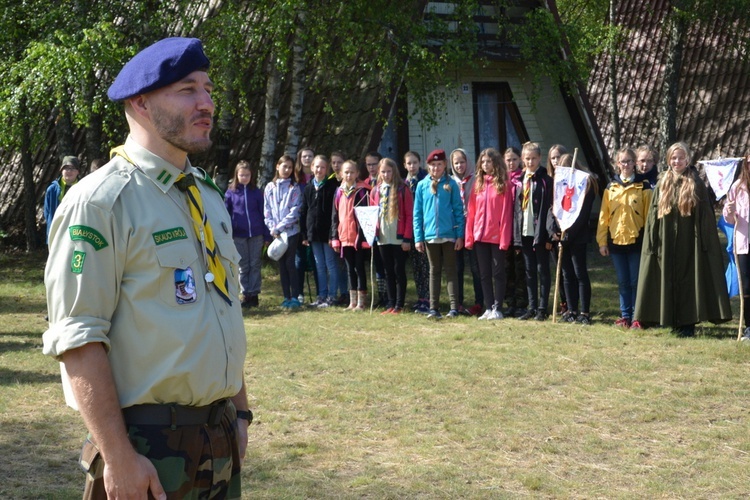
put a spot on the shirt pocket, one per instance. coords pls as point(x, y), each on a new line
point(230, 258)
point(178, 255)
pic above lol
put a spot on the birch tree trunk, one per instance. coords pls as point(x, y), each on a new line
point(270, 133)
point(299, 86)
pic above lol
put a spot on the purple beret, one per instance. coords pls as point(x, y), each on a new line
point(436, 155)
point(158, 65)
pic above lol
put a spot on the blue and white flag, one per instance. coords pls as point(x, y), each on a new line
point(570, 189)
point(720, 174)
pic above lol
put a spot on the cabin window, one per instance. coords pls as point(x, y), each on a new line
point(497, 121)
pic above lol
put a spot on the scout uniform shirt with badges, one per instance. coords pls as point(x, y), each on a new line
point(129, 271)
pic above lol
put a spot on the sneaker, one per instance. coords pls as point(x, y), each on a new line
point(387, 311)
point(475, 310)
point(453, 313)
point(583, 319)
point(527, 315)
point(636, 325)
point(330, 301)
point(397, 310)
point(540, 315)
point(285, 303)
point(294, 304)
point(463, 311)
point(486, 315)
point(625, 323)
point(423, 309)
point(301, 299)
point(568, 317)
point(316, 302)
point(434, 314)
point(495, 314)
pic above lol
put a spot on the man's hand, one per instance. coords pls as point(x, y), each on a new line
point(132, 478)
point(242, 438)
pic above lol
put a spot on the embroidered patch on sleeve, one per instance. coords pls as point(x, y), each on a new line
point(176, 233)
point(76, 266)
point(88, 234)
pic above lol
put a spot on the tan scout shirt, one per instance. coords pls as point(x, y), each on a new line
point(116, 243)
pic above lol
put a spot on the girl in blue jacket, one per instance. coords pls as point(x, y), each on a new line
point(244, 202)
point(439, 229)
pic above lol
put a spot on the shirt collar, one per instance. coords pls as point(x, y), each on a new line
point(158, 170)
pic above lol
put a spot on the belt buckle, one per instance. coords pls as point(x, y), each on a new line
point(216, 413)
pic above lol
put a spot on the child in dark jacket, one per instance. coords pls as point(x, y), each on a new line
point(533, 202)
point(315, 226)
point(244, 202)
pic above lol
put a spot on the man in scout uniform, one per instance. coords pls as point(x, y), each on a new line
point(143, 300)
point(58, 188)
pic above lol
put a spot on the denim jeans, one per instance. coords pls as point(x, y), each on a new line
point(327, 268)
point(626, 267)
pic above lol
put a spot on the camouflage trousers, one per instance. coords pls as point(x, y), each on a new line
point(193, 461)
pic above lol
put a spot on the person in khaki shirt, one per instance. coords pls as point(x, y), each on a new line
point(143, 301)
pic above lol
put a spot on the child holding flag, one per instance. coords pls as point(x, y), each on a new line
point(346, 235)
point(575, 192)
point(737, 211)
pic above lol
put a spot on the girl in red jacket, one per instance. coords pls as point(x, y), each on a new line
point(489, 228)
point(395, 230)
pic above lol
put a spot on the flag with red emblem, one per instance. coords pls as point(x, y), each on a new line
point(570, 189)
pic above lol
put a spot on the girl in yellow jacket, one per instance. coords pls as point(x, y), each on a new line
point(625, 205)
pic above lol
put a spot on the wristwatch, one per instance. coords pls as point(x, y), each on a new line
point(246, 415)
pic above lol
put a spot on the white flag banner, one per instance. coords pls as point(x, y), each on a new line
point(368, 221)
point(570, 189)
point(720, 174)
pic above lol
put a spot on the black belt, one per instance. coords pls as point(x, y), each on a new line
point(175, 415)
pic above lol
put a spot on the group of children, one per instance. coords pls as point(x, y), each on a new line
point(498, 216)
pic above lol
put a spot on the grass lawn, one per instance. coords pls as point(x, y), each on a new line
point(352, 405)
